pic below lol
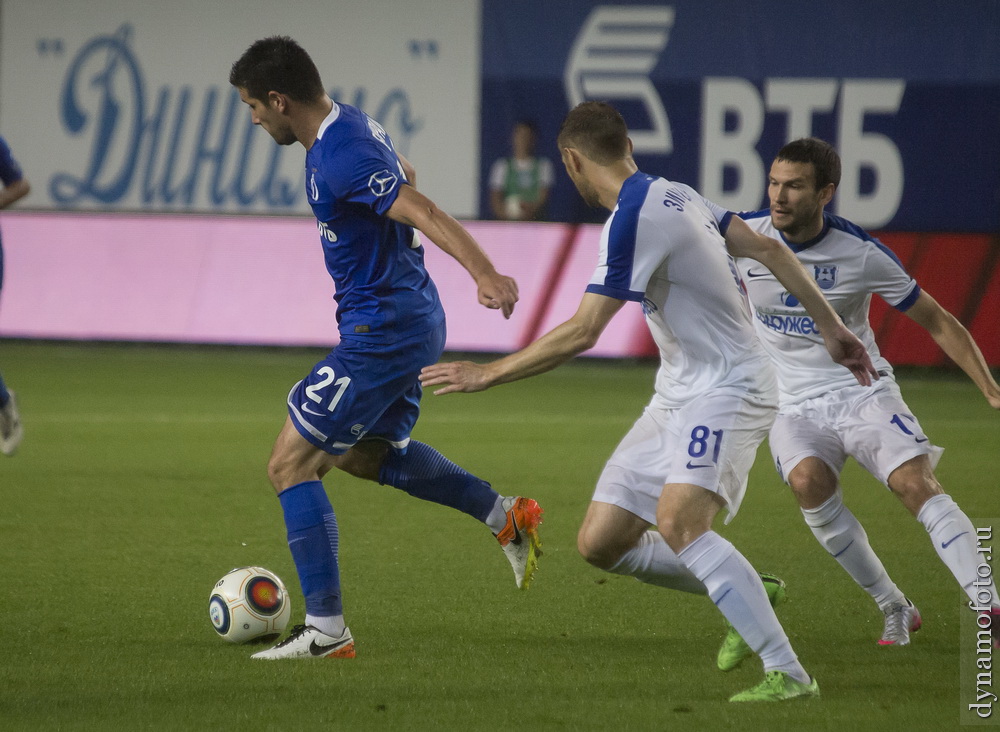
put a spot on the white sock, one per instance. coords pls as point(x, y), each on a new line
point(332, 625)
point(498, 517)
point(841, 534)
point(736, 590)
point(954, 539)
point(652, 561)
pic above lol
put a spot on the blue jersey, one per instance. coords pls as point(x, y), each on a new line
point(383, 291)
point(10, 171)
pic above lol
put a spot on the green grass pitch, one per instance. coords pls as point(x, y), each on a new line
point(141, 481)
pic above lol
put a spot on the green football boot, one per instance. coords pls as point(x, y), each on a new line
point(778, 686)
point(734, 649)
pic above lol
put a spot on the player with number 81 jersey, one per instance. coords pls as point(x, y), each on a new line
point(715, 391)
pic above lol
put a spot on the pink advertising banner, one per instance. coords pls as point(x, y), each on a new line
point(261, 281)
point(253, 280)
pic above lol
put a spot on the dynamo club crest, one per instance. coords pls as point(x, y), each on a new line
point(826, 277)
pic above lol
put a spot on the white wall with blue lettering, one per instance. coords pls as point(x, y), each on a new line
point(127, 106)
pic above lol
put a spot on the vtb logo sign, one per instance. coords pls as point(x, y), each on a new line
point(611, 59)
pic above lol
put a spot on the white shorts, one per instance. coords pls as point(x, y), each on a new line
point(710, 442)
point(871, 424)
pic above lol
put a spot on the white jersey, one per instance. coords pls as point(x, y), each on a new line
point(849, 265)
point(662, 247)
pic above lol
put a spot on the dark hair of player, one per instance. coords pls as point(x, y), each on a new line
point(597, 130)
point(277, 64)
point(822, 156)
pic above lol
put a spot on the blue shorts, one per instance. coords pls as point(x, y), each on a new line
point(364, 390)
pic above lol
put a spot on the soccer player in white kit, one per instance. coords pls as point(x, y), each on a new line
point(689, 453)
point(823, 417)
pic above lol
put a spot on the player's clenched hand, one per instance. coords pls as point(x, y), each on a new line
point(847, 349)
point(456, 375)
point(498, 292)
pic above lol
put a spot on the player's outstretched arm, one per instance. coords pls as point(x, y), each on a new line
point(560, 344)
point(844, 347)
point(956, 341)
point(496, 291)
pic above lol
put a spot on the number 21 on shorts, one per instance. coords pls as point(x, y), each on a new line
point(329, 377)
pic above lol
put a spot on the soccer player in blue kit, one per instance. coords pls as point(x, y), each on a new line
point(356, 408)
point(15, 187)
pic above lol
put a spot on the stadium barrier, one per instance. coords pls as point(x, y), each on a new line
point(261, 281)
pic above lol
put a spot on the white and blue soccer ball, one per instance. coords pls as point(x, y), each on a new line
point(249, 604)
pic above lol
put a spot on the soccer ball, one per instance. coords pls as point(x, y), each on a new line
point(249, 604)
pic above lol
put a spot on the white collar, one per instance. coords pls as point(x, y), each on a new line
point(330, 119)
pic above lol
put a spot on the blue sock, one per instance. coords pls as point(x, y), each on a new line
point(313, 540)
point(4, 394)
point(425, 473)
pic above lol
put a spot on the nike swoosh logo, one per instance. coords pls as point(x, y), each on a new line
point(751, 273)
point(692, 466)
point(517, 534)
point(922, 439)
point(309, 410)
point(317, 650)
point(946, 544)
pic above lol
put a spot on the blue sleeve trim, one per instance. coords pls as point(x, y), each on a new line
point(10, 171)
point(724, 223)
point(617, 293)
point(382, 204)
point(907, 302)
point(624, 225)
point(839, 222)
